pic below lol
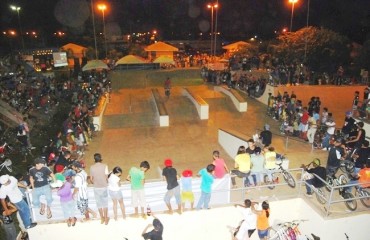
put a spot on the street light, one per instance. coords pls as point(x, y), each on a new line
point(291, 17)
point(93, 22)
point(17, 9)
point(103, 7)
point(216, 29)
point(212, 7)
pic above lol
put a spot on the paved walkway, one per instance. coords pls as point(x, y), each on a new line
point(131, 134)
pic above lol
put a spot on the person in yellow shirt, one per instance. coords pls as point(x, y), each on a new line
point(270, 161)
point(242, 166)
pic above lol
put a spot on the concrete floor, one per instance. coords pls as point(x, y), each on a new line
point(131, 134)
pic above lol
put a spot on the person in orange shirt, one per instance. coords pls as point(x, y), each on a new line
point(262, 220)
point(364, 175)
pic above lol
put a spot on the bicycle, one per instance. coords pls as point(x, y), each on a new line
point(7, 164)
point(320, 194)
point(288, 178)
point(364, 195)
point(333, 181)
point(287, 231)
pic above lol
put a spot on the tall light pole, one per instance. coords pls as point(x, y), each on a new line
point(103, 7)
point(17, 9)
point(291, 16)
point(214, 49)
point(305, 43)
point(212, 7)
point(93, 23)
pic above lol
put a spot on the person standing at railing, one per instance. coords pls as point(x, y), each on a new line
point(169, 174)
point(336, 154)
point(249, 223)
point(262, 219)
point(207, 179)
point(330, 124)
point(220, 166)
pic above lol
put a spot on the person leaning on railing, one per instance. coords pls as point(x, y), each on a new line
point(311, 173)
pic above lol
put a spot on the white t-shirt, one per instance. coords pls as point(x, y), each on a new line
point(113, 182)
point(12, 191)
point(249, 218)
point(81, 184)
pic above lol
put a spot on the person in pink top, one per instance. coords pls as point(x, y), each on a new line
point(67, 201)
point(220, 165)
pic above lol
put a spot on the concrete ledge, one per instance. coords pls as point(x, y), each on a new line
point(201, 105)
point(239, 102)
point(99, 111)
point(161, 109)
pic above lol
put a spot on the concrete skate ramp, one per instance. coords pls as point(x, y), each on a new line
point(338, 99)
point(209, 224)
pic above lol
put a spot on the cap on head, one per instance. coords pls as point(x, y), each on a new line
point(39, 160)
point(349, 114)
point(168, 162)
point(316, 161)
point(4, 179)
point(187, 173)
point(267, 127)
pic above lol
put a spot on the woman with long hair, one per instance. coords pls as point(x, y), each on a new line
point(262, 220)
point(115, 191)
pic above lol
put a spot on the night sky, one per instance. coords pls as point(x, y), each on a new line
point(186, 19)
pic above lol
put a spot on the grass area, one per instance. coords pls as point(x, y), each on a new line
point(154, 78)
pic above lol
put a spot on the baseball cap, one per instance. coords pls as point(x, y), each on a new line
point(39, 160)
point(267, 127)
point(4, 179)
point(187, 173)
point(168, 162)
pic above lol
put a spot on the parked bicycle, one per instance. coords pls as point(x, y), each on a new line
point(333, 181)
point(288, 178)
point(288, 231)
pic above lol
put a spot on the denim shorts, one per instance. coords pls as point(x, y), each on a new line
point(115, 195)
point(263, 233)
point(38, 192)
point(101, 197)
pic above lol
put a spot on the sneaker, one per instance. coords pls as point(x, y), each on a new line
point(31, 226)
point(324, 149)
point(308, 194)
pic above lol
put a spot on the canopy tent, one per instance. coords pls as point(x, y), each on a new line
point(164, 59)
point(131, 59)
point(78, 51)
point(160, 49)
point(235, 46)
point(95, 64)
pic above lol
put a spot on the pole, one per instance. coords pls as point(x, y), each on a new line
point(305, 43)
point(93, 23)
point(20, 28)
point(214, 49)
point(105, 37)
point(291, 17)
point(212, 30)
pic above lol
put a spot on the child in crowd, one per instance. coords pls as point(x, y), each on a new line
point(67, 202)
point(137, 178)
point(187, 194)
point(207, 180)
point(115, 191)
point(220, 166)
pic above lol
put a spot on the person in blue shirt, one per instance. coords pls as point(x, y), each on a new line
point(207, 179)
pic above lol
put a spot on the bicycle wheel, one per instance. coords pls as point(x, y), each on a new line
point(321, 196)
point(365, 201)
point(350, 204)
point(289, 179)
point(273, 234)
point(266, 180)
point(347, 167)
point(343, 179)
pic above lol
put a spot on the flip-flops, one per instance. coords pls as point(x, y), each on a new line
point(42, 210)
point(49, 215)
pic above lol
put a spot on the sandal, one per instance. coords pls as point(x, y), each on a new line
point(49, 215)
point(42, 209)
point(74, 221)
point(69, 221)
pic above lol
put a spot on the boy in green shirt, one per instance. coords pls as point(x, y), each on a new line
point(137, 178)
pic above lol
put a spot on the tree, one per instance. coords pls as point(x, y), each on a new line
point(325, 49)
